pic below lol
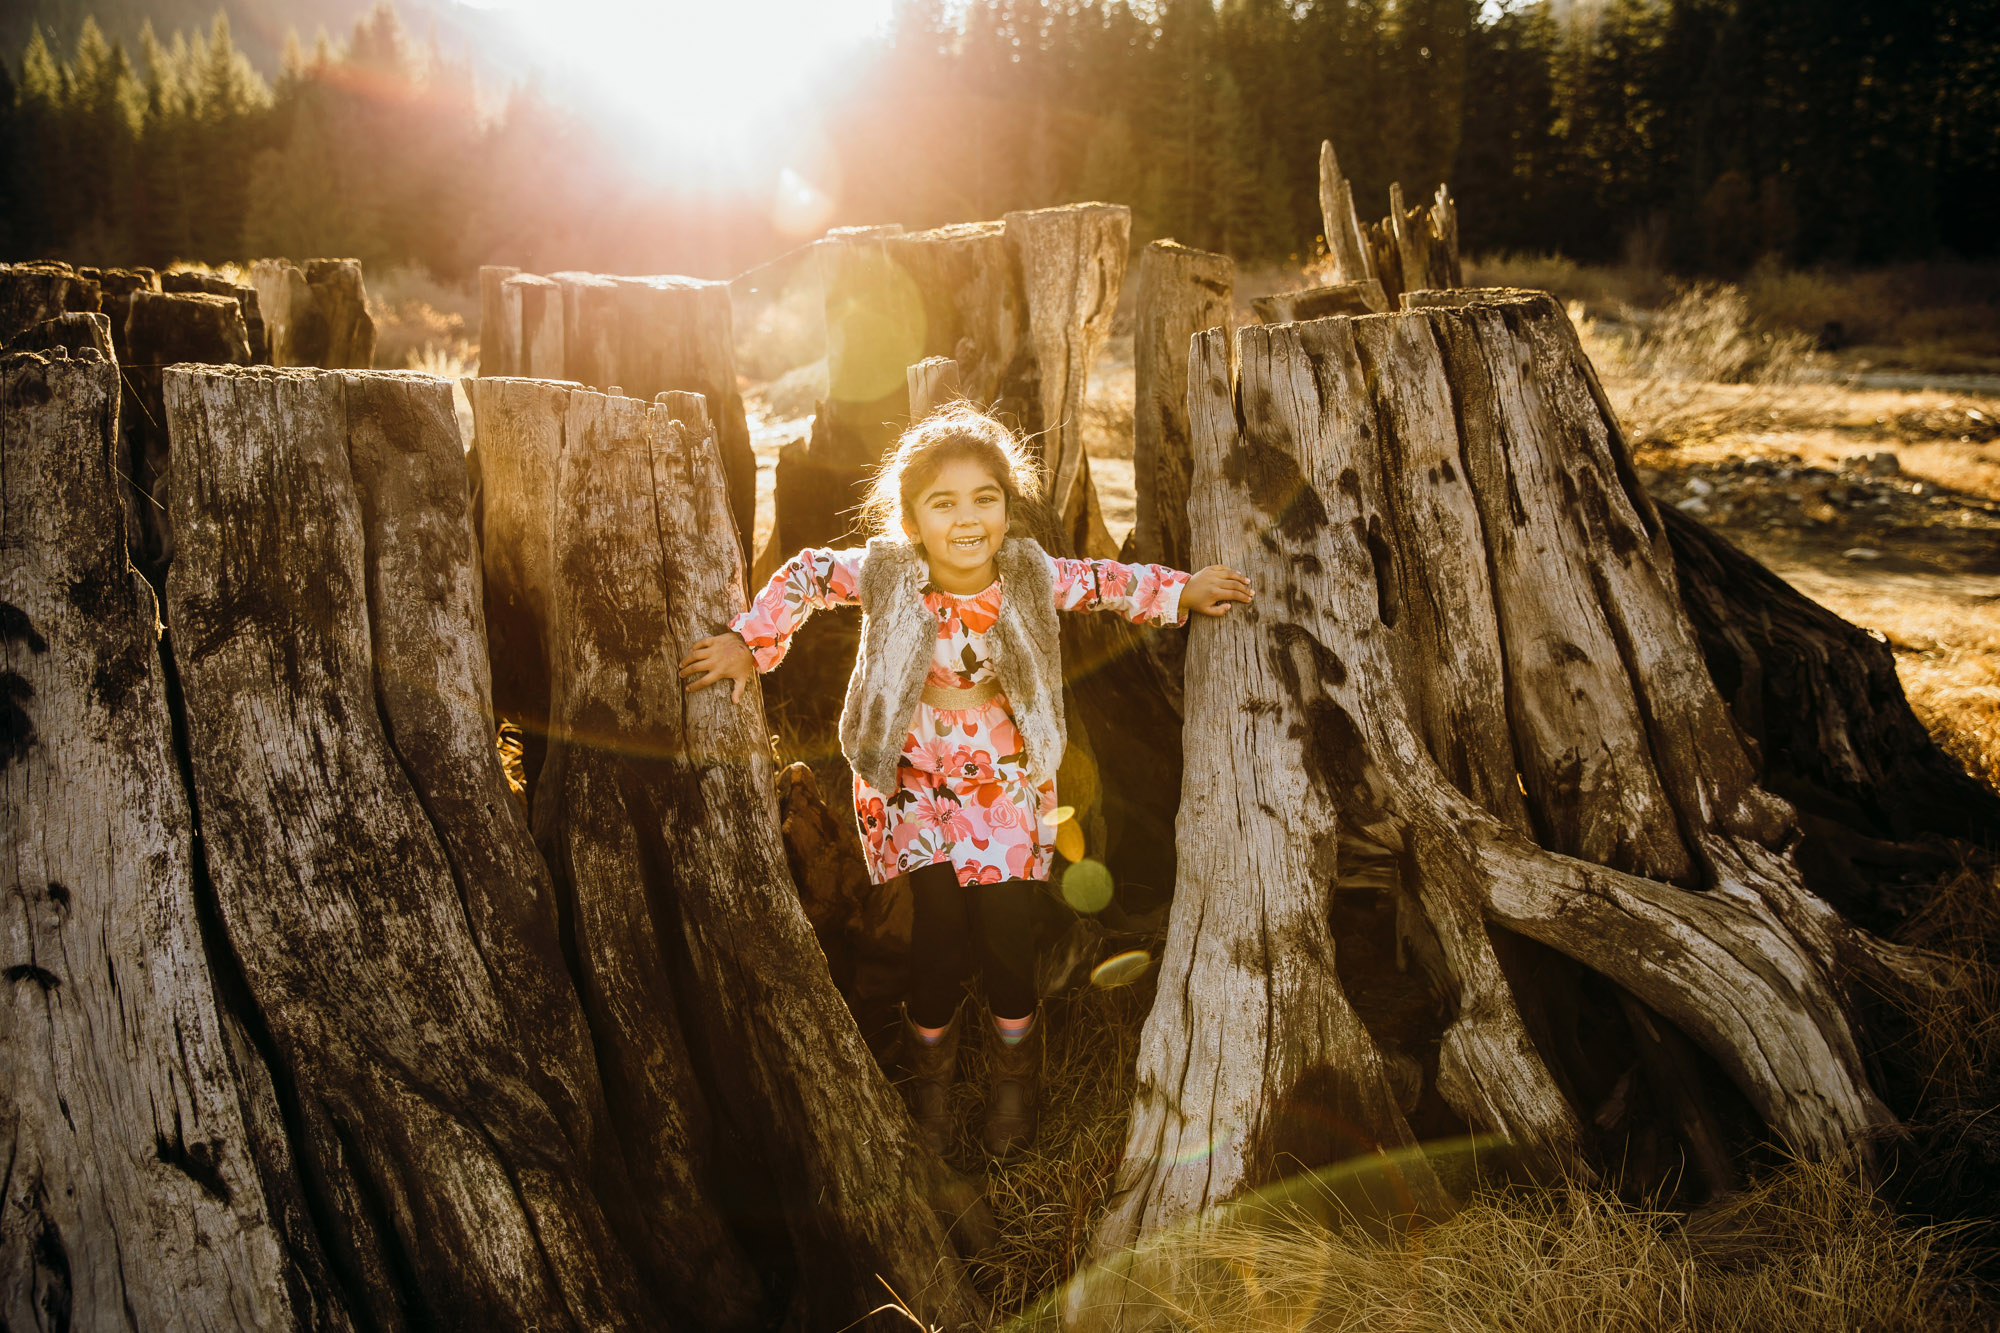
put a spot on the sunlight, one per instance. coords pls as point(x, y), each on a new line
point(717, 95)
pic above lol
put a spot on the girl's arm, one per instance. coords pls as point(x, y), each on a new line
point(812, 580)
point(1146, 594)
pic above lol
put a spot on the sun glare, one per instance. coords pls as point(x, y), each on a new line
point(714, 93)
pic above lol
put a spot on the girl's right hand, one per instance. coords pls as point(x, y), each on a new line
point(716, 658)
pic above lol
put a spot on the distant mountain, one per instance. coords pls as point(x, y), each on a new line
point(259, 26)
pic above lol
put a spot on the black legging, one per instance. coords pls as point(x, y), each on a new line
point(947, 946)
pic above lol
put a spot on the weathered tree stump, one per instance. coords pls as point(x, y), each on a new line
point(1468, 651)
point(1345, 298)
point(135, 1194)
point(1072, 265)
point(316, 316)
point(371, 880)
point(1181, 292)
point(533, 310)
point(647, 561)
point(115, 289)
point(162, 330)
point(932, 383)
point(245, 297)
point(499, 335)
point(39, 290)
point(76, 334)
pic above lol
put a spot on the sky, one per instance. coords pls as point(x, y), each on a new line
point(722, 88)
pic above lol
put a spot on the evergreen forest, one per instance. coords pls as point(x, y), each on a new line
point(1698, 135)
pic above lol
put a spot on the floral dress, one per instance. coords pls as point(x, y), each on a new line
point(963, 795)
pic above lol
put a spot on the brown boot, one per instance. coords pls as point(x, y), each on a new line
point(1013, 1091)
point(928, 1088)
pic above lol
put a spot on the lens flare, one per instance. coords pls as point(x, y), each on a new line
point(1121, 969)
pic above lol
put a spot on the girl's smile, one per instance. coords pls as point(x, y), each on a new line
point(960, 519)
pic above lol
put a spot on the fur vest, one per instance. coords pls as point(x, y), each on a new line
point(899, 637)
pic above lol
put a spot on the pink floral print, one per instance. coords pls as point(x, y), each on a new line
point(963, 795)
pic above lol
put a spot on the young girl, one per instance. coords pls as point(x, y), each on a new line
point(954, 725)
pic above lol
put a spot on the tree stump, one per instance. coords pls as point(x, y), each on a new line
point(499, 333)
point(1467, 652)
point(1072, 265)
point(647, 561)
point(933, 383)
point(77, 335)
point(316, 316)
point(135, 1196)
point(245, 297)
point(533, 311)
point(162, 330)
point(116, 286)
point(1346, 298)
point(1181, 292)
point(368, 875)
point(33, 292)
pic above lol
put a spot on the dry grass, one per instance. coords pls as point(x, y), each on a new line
point(423, 324)
point(1804, 1248)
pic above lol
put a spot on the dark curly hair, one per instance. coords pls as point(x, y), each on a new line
point(956, 430)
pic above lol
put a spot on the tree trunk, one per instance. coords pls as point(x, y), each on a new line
point(1346, 244)
point(1072, 264)
point(372, 915)
point(1181, 292)
point(316, 316)
point(160, 331)
point(1820, 700)
point(1346, 298)
point(499, 332)
point(1467, 650)
point(37, 291)
point(134, 1196)
point(646, 562)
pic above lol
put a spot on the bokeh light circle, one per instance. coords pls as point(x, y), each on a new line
point(1086, 886)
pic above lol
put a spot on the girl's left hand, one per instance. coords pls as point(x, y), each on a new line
point(1211, 590)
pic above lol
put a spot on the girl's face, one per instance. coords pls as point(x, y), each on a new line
point(959, 517)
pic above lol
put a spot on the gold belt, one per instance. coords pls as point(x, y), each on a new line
point(947, 696)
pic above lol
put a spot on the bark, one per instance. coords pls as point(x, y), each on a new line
point(134, 1196)
point(647, 561)
point(77, 334)
point(160, 331)
point(1467, 650)
point(1072, 265)
point(1181, 292)
point(245, 297)
point(33, 292)
point(1820, 700)
point(448, 1188)
point(499, 333)
point(1346, 245)
point(316, 316)
point(1346, 298)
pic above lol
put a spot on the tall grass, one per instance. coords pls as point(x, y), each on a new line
point(1805, 1248)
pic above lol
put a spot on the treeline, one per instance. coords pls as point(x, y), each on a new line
point(1701, 134)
